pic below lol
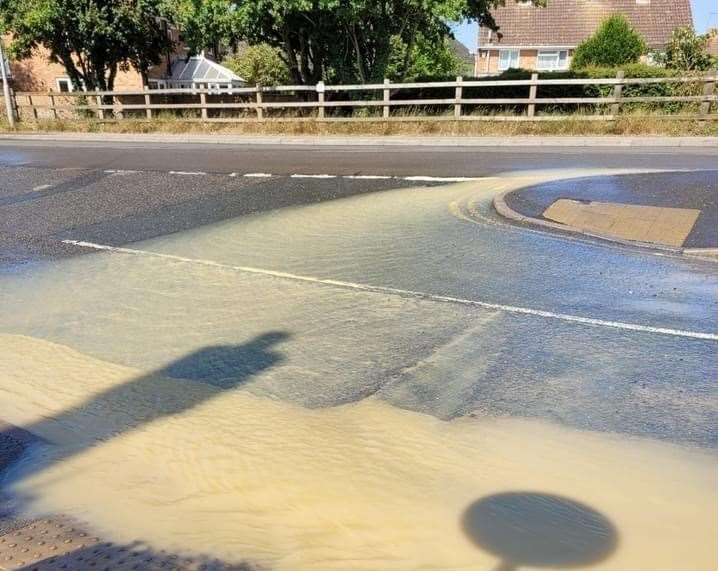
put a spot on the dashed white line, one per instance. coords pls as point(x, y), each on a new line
point(409, 293)
point(41, 187)
point(368, 176)
point(442, 178)
point(313, 176)
point(412, 178)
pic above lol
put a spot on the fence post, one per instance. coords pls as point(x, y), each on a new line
point(458, 95)
point(15, 108)
point(260, 110)
point(52, 105)
point(387, 97)
point(33, 110)
point(618, 93)
point(533, 92)
point(203, 102)
point(100, 110)
point(119, 114)
point(320, 100)
point(148, 102)
point(709, 88)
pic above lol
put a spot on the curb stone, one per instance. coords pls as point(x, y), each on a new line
point(504, 210)
point(388, 140)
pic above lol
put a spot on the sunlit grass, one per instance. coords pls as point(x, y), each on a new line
point(375, 126)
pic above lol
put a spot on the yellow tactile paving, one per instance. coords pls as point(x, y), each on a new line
point(653, 224)
point(58, 544)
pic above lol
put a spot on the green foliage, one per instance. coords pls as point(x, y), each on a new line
point(92, 39)
point(351, 40)
point(261, 64)
point(614, 43)
point(559, 91)
point(687, 51)
point(206, 24)
point(425, 59)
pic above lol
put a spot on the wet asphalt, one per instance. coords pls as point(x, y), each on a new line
point(696, 190)
point(590, 377)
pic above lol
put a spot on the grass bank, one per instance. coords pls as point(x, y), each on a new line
point(569, 126)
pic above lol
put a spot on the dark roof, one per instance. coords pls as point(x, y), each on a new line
point(567, 23)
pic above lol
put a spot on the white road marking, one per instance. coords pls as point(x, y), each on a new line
point(41, 187)
point(443, 178)
point(313, 176)
point(409, 293)
point(368, 176)
point(414, 178)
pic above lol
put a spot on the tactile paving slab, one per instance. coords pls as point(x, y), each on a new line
point(59, 544)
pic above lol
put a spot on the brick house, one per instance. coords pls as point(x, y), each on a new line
point(713, 46)
point(176, 70)
point(544, 39)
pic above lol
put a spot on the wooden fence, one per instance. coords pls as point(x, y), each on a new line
point(384, 101)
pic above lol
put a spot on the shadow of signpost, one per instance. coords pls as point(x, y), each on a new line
point(539, 530)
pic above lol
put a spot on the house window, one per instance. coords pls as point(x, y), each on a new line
point(64, 85)
point(552, 60)
point(508, 59)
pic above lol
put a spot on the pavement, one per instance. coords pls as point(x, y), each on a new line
point(673, 209)
point(245, 355)
point(604, 141)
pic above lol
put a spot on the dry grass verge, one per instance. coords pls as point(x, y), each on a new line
point(569, 127)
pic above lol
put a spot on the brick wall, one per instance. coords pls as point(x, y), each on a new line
point(528, 59)
point(38, 73)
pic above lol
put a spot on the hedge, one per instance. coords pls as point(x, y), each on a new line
point(516, 92)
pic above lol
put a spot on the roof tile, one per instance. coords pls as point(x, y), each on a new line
point(567, 23)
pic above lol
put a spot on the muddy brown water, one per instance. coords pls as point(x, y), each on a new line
point(200, 410)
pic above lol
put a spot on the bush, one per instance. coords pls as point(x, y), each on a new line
point(614, 43)
point(261, 64)
point(688, 51)
point(428, 58)
point(637, 70)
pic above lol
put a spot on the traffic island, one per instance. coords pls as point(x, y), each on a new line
point(675, 211)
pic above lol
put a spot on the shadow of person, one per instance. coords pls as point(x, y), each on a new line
point(539, 530)
point(180, 386)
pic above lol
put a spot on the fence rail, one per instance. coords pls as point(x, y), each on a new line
point(261, 103)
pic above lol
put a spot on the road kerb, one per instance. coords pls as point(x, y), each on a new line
point(504, 210)
point(696, 142)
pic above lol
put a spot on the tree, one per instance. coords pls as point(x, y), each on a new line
point(206, 24)
point(261, 64)
point(688, 51)
point(426, 59)
point(92, 39)
point(614, 43)
point(351, 40)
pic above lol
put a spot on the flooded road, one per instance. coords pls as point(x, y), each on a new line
point(318, 387)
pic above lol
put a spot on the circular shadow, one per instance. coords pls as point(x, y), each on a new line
point(539, 530)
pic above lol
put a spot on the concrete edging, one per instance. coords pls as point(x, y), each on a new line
point(509, 213)
point(387, 140)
